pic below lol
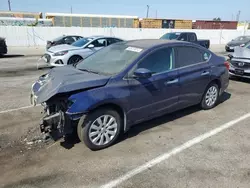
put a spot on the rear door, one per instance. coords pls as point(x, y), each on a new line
point(194, 74)
point(158, 94)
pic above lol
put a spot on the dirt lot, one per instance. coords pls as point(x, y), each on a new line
point(219, 161)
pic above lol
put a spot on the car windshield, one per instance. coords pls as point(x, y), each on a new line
point(247, 45)
point(58, 38)
point(170, 36)
point(242, 38)
point(110, 60)
point(81, 42)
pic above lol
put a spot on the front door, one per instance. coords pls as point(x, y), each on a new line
point(158, 94)
point(194, 74)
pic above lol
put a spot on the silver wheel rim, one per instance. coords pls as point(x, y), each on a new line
point(211, 96)
point(103, 130)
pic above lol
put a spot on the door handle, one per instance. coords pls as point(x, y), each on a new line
point(173, 81)
point(205, 73)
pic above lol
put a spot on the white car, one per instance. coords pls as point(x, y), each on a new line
point(69, 54)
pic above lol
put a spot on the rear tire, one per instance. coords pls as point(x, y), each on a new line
point(210, 97)
point(99, 129)
point(74, 59)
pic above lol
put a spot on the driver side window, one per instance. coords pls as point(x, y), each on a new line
point(161, 60)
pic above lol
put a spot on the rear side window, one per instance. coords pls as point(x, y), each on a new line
point(205, 55)
point(192, 37)
point(186, 56)
point(113, 40)
point(184, 37)
point(158, 61)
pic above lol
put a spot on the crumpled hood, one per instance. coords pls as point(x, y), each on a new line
point(63, 47)
point(241, 52)
point(65, 79)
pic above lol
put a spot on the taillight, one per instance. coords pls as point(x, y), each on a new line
point(227, 65)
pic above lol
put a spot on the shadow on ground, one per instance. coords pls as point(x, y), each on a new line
point(71, 140)
point(240, 79)
point(11, 55)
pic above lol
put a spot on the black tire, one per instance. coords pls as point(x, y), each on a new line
point(74, 59)
point(85, 123)
point(204, 104)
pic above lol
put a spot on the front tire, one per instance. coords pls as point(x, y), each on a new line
point(210, 97)
point(74, 59)
point(99, 129)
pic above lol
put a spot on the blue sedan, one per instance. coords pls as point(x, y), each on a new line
point(127, 83)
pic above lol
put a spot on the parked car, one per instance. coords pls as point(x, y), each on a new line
point(240, 62)
point(65, 39)
point(69, 54)
point(127, 83)
point(239, 41)
point(3, 46)
point(186, 36)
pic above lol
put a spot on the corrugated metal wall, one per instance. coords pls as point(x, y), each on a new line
point(68, 21)
point(183, 24)
point(20, 14)
point(203, 24)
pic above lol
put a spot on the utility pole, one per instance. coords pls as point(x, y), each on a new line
point(156, 14)
point(71, 9)
point(147, 11)
point(9, 5)
point(238, 16)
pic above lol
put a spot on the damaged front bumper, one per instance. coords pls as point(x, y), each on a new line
point(56, 124)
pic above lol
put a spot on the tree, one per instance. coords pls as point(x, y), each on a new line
point(217, 19)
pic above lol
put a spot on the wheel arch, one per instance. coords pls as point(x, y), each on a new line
point(74, 55)
point(115, 107)
point(216, 81)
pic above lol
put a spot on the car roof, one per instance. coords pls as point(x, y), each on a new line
point(151, 43)
point(182, 32)
point(100, 36)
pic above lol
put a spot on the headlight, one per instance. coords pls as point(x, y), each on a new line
point(60, 53)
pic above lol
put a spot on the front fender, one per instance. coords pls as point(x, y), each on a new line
point(86, 101)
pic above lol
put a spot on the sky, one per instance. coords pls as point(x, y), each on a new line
point(172, 9)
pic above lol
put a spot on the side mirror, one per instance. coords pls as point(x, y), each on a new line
point(142, 73)
point(91, 46)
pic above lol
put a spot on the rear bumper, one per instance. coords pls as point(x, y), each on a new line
point(224, 82)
